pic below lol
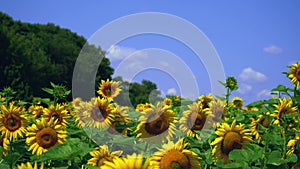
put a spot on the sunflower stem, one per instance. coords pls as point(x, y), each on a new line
point(146, 147)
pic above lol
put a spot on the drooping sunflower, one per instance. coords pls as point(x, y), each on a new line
point(194, 119)
point(44, 135)
point(57, 112)
point(36, 110)
point(175, 156)
point(13, 121)
point(29, 166)
point(101, 154)
point(157, 121)
point(134, 161)
point(100, 113)
point(229, 138)
point(263, 120)
point(205, 100)
point(4, 142)
point(109, 89)
point(285, 106)
point(237, 102)
point(292, 144)
point(294, 74)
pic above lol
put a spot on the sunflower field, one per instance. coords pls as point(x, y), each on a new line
point(210, 132)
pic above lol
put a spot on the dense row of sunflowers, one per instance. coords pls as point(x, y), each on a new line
point(210, 132)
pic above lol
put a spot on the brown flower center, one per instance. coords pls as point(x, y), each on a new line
point(46, 138)
point(99, 114)
point(56, 116)
point(12, 122)
point(297, 73)
point(232, 140)
point(156, 126)
point(175, 159)
point(197, 123)
point(264, 122)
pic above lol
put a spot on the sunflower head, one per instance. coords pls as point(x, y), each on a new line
point(175, 156)
point(205, 100)
point(237, 102)
point(285, 106)
point(102, 154)
point(36, 110)
point(44, 135)
point(156, 121)
point(292, 145)
point(261, 120)
point(294, 74)
point(217, 108)
point(168, 102)
point(13, 121)
point(134, 161)
point(229, 138)
point(29, 166)
point(109, 89)
point(142, 107)
point(57, 112)
point(231, 83)
point(4, 142)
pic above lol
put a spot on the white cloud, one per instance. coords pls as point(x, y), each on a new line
point(273, 49)
point(116, 53)
point(171, 91)
point(249, 75)
point(244, 88)
point(264, 93)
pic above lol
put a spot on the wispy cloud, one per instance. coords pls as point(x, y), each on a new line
point(264, 93)
point(250, 75)
point(171, 91)
point(116, 53)
point(244, 88)
point(273, 49)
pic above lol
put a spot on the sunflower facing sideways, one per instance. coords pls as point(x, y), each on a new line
point(175, 156)
point(294, 74)
point(194, 119)
point(44, 135)
point(102, 154)
point(229, 138)
point(134, 161)
point(12, 121)
point(57, 112)
point(109, 89)
point(156, 121)
point(99, 114)
point(205, 100)
point(237, 102)
point(4, 142)
point(285, 106)
point(262, 120)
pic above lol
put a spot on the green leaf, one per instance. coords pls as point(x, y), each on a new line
point(239, 155)
point(12, 158)
point(292, 158)
point(280, 88)
point(275, 158)
point(236, 165)
point(50, 91)
point(90, 166)
point(240, 118)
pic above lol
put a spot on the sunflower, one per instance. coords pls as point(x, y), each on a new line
point(134, 161)
point(176, 98)
point(29, 166)
point(194, 119)
point(237, 102)
point(13, 121)
point(205, 100)
point(175, 156)
point(109, 89)
point(217, 107)
point(294, 74)
point(79, 108)
point(4, 142)
point(141, 107)
point(99, 114)
point(121, 116)
point(156, 121)
point(44, 135)
point(101, 154)
point(57, 112)
point(168, 102)
point(36, 110)
point(254, 109)
point(255, 125)
point(292, 144)
point(230, 138)
point(285, 106)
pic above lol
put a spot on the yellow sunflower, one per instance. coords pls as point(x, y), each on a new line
point(101, 154)
point(194, 119)
point(109, 89)
point(133, 161)
point(237, 102)
point(36, 110)
point(175, 156)
point(100, 113)
point(205, 100)
point(79, 108)
point(217, 108)
point(57, 112)
point(292, 145)
point(121, 116)
point(141, 107)
point(12, 121)
point(255, 125)
point(4, 142)
point(229, 138)
point(176, 98)
point(168, 102)
point(285, 106)
point(294, 74)
point(44, 135)
point(156, 121)
point(29, 166)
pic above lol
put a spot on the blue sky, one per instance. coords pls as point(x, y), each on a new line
point(255, 40)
